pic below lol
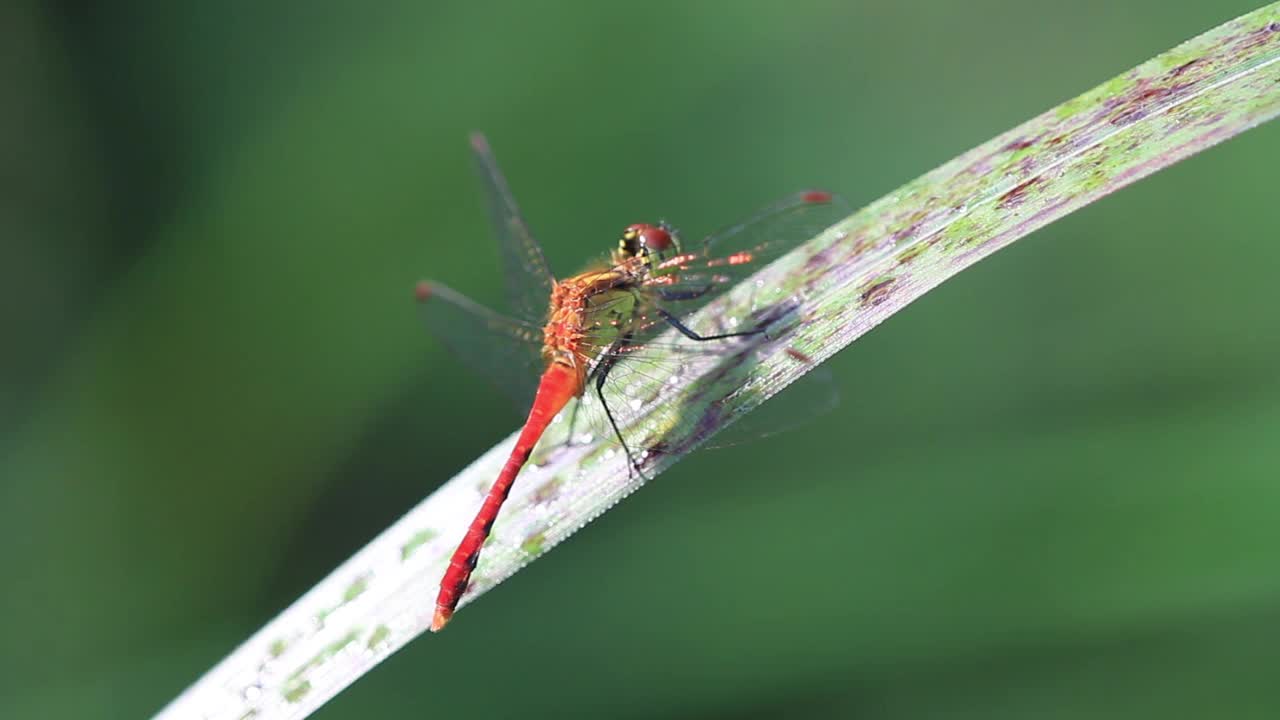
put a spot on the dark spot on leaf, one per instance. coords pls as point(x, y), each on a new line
point(1136, 107)
point(798, 356)
point(1258, 37)
point(878, 291)
point(900, 235)
point(912, 252)
point(1185, 67)
point(1019, 144)
point(821, 259)
point(1017, 194)
point(547, 491)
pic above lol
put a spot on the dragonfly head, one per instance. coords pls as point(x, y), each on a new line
point(652, 243)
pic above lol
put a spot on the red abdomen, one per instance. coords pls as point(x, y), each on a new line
point(559, 383)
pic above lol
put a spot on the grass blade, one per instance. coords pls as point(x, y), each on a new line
point(843, 283)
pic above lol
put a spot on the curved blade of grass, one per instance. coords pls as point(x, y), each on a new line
point(829, 292)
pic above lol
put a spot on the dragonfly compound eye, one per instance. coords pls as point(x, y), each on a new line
point(657, 238)
point(642, 239)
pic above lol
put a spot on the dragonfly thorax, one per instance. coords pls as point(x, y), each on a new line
point(588, 312)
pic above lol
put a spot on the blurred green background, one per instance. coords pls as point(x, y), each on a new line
point(1050, 490)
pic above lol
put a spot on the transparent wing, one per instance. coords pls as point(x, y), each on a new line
point(643, 384)
point(528, 278)
point(503, 350)
point(693, 279)
point(728, 256)
point(647, 368)
point(640, 393)
point(802, 402)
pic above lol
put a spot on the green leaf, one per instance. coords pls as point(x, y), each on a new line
point(841, 284)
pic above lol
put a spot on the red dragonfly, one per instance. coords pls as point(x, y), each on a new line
point(594, 329)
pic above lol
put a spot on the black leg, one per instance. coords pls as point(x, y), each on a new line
point(684, 329)
point(602, 374)
point(684, 294)
point(573, 420)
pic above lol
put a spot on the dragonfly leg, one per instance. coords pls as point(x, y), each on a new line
point(687, 332)
point(684, 294)
point(602, 374)
point(573, 420)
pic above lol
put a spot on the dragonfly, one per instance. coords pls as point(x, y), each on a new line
point(585, 334)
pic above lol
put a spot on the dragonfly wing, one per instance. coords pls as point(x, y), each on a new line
point(797, 406)
point(528, 278)
point(645, 393)
point(503, 350)
point(731, 254)
point(776, 228)
point(633, 397)
point(637, 383)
